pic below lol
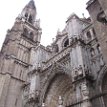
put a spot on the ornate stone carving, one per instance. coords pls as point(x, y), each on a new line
point(85, 91)
point(57, 57)
point(78, 72)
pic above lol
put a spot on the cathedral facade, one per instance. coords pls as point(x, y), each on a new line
point(71, 72)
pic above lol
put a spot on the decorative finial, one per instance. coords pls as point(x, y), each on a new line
point(83, 15)
point(31, 4)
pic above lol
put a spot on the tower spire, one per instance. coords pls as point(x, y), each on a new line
point(29, 12)
point(31, 4)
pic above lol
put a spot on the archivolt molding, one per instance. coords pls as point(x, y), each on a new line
point(55, 69)
point(101, 76)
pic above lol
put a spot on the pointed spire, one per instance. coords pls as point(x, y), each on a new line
point(31, 4)
point(29, 11)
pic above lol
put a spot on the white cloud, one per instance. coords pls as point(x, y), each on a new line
point(52, 13)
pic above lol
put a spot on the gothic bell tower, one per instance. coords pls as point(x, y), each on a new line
point(15, 56)
point(29, 12)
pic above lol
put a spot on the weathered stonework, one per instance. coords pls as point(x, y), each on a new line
point(71, 72)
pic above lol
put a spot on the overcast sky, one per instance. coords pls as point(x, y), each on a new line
point(52, 13)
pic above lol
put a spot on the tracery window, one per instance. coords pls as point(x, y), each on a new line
point(88, 35)
point(66, 42)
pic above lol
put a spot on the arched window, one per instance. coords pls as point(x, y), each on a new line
point(104, 89)
point(101, 17)
point(94, 33)
point(57, 48)
point(92, 51)
point(31, 36)
point(25, 32)
point(66, 43)
point(30, 19)
point(26, 15)
point(88, 35)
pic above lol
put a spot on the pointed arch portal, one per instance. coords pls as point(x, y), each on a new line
point(104, 89)
point(60, 85)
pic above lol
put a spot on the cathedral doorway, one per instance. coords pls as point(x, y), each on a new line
point(60, 85)
point(104, 89)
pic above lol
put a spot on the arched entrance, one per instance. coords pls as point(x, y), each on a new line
point(104, 89)
point(60, 85)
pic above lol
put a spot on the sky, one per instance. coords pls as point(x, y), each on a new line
point(52, 14)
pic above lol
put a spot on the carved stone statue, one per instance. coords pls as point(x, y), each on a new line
point(60, 102)
point(85, 95)
point(85, 91)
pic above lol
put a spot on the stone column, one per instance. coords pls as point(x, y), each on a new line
point(35, 85)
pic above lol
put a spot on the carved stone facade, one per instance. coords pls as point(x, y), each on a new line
point(71, 72)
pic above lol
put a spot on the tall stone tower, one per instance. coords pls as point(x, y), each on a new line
point(15, 56)
point(99, 17)
point(71, 72)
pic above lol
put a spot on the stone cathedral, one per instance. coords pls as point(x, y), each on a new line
point(71, 72)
